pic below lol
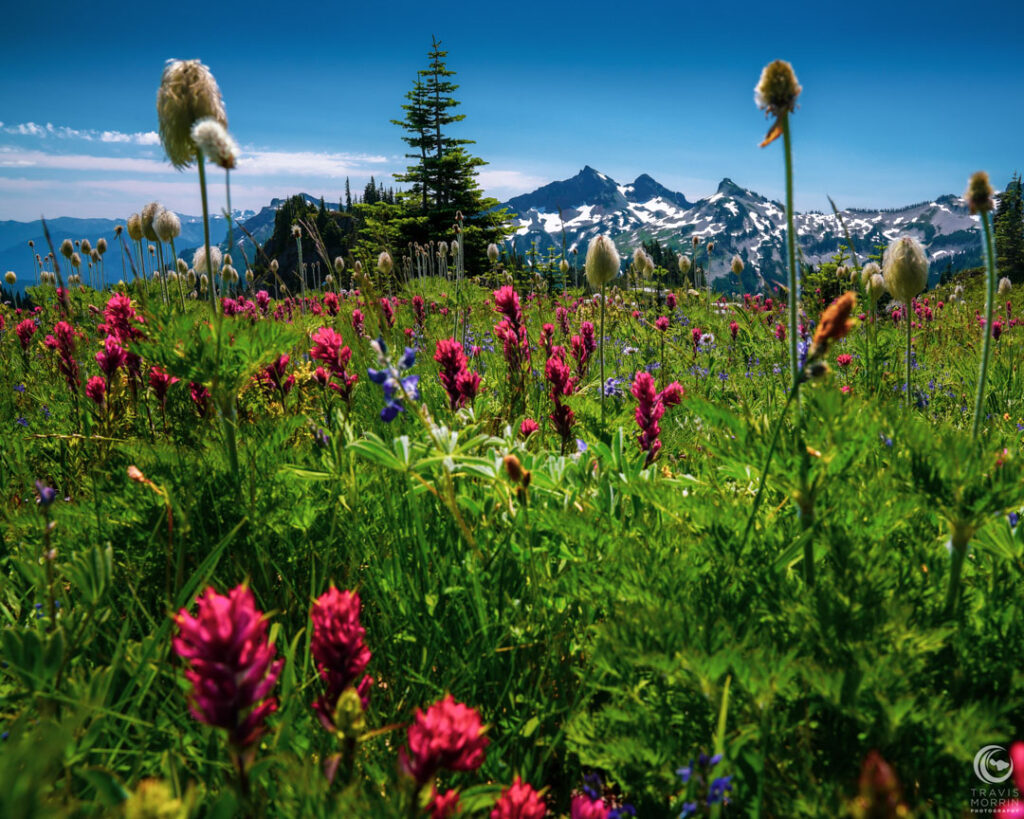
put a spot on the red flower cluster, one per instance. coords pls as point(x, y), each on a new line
point(339, 651)
point(331, 303)
point(62, 340)
point(460, 383)
point(231, 664)
point(419, 311)
point(273, 376)
point(519, 801)
point(651, 408)
point(389, 312)
point(448, 735)
point(562, 384)
point(160, 382)
point(25, 330)
point(329, 347)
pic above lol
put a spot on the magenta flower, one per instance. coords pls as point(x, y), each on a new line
point(200, 397)
point(419, 311)
point(231, 664)
point(449, 735)
point(585, 806)
point(670, 301)
point(120, 319)
point(339, 651)
point(519, 801)
point(547, 333)
point(562, 384)
point(444, 805)
point(331, 303)
point(460, 384)
point(160, 382)
point(328, 346)
point(562, 315)
point(96, 390)
point(357, 322)
point(389, 312)
point(112, 357)
point(661, 324)
point(62, 340)
point(528, 427)
point(650, 408)
point(25, 330)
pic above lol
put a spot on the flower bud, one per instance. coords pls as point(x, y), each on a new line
point(86, 247)
point(979, 193)
point(101, 246)
point(684, 264)
point(602, 264)
point(296, 232)
point(1004, 287)
point(563, 267)
point(875, 287)
point(147, 215)
point(384, 263)
point(737, 265)
point(777, 90)
point(167, 225)
point(339, 265)
point(134, 227)
point(213, 139)
point(492, 252)
point(66, 248)
point(10, 277)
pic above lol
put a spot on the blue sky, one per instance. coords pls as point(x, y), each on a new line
point(901, 102)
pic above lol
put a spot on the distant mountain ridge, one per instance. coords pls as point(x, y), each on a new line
point(739, 222)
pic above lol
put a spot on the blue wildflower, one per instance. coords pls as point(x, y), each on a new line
point(581, 445)
point(21, 419)
point(718, 789)
point(1014, 519)
point(613, 388)
point(689, 809)
point(47, 494)
point(19, 388)
point(396, 387)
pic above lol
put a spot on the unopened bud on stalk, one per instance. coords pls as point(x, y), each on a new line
point(602, 264)
point(10, 277)
point(979, 193)
point(274, 266)
point(86, 247)
point(455, 248)
point(339, 265)
point(563, 267)
point(696, 241)
point(101, 246)
point(76, 260)
point(94, 256)
point(778, 89)
point(66, 248)
point(296, 232)
point(181, 266)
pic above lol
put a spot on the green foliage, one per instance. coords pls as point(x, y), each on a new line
point(595, 614)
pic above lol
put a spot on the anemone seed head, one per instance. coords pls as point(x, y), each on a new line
point(602, 264)
point(199, 260)
point(167, 225)
point(147, 215)
point(979, 193)
point(905, 268)
point(188, 93)
point(217, 145)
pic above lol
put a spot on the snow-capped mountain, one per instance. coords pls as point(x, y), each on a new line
point(737, 220)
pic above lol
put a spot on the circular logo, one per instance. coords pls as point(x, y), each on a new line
point(989, 768)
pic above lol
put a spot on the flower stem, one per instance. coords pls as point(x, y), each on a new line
point(955, 571)
point(990, 286)
point(601, 346)
point(790, 247)
point(206, 227)
point(906, 318)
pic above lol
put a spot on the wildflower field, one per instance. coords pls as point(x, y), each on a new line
point(485, 544)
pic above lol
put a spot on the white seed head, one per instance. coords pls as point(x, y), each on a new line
point(10, 277)
point(869, 270)
point(216, 143)
point(563, 267)
point(66, 248)
point(384, 263)
point(274, 266)
point(1005, 286)
point(167, 225)
point(737, 265)
point(492, 252)
point(135, 227)
point(684, 263)
point(227, 260)
point(94, 256)
point(101, 246)
point(76, 260)
point(875, 287)
point(339, 265)
point(296, 232)
point(204, 283)
point(188, 93)
point(905, 268)
point(86, 246)
point(199, 260)
point(602, 263)
point(148, 214)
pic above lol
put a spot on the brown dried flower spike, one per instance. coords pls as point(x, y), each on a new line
point(835, 324)
point(979, 193)
point(776, 93)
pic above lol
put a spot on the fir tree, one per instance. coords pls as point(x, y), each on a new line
point(443, 182)
point(1009, 230)
point(348, 196)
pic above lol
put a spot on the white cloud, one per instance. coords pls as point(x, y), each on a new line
point(305, 163)
point(505, 183)
point(138, 138)
point(18, 158)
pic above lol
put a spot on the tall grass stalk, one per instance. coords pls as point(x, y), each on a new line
point(790, 247)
